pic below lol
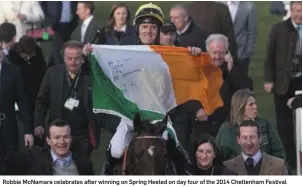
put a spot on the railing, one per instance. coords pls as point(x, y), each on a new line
point(298, 113)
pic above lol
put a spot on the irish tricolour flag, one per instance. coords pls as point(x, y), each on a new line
point(151, 80)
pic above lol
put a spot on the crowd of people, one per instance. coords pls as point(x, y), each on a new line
point(53, 100)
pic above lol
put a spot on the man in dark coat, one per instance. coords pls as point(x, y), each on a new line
point(188, 33)
point(89, 26)
point(65, 92)
point(11, 92)
point(214, 17)
point(283, 73)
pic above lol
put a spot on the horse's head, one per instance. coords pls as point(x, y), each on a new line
point(147, 154)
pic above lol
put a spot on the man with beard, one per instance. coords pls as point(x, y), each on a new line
point(252, 160)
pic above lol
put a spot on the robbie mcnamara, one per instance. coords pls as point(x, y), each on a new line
point(267, 181)
point(33, 181)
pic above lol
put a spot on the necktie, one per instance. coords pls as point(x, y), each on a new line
point(300, 31)
point(250, 162)
point(62, 162)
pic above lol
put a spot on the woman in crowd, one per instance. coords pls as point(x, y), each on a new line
point(118, 30)
point(28, 56)
point(206, 158)
point(244, 107)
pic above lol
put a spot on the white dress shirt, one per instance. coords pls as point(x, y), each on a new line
point(5, 51)
point(184, 29)
point(84, 26)
point(66, 12)
point(123, 29)
point(233, 8)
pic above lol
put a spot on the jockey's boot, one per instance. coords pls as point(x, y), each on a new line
point(112, 166)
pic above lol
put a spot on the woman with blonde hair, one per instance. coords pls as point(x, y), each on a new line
point(244, 107)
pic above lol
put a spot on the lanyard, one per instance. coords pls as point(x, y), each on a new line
point(73, 85)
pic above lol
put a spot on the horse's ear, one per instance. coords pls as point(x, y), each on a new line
point(163, 125)
point(166, 118)
point(137, 123)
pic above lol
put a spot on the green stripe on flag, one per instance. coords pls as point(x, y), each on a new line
point(108, 98)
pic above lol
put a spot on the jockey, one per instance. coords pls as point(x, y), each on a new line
point(148, 21)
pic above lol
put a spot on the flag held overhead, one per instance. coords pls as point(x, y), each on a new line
point(151, 80)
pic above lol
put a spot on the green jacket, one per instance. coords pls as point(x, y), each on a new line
point(227, 140)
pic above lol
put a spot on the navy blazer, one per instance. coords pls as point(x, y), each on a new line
point(127, 38)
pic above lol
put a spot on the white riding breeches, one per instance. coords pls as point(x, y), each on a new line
point(124, 133)
point(121, 138)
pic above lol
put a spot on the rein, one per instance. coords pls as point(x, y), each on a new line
point(126, 149)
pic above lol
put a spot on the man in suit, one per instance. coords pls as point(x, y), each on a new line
point(65, 92)
point(58, 159)
point(214, 17)
point(11, 92)
point(234, 78)
point(8, 37)
point(283, 73)
point(253, 161)
point(243, 14)
point(61, 16)
point(89, 27)
point(188, 33)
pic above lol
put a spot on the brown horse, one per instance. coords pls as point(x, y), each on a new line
point(147, 153)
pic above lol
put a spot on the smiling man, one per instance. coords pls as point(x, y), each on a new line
point(149, 19)
point(56, 159)
point(252, 160)
point(63, 161)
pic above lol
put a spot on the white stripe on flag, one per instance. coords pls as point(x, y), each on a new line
point(138, 75)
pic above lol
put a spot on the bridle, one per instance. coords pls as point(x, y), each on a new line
point(132, 142)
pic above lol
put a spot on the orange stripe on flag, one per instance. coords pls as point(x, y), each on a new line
point(193, 77)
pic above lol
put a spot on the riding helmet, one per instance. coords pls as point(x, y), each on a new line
point(149, 13)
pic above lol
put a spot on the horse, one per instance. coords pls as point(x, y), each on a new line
point(148, 153)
